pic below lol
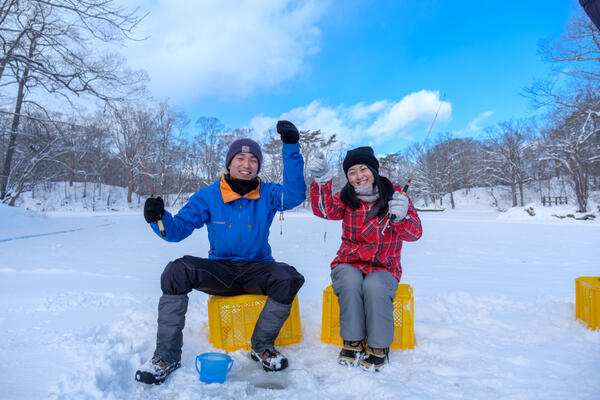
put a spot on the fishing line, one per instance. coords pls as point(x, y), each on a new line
point(405, 188)
point(161, 227)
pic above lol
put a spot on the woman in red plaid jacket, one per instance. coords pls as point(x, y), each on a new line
point(377, 218)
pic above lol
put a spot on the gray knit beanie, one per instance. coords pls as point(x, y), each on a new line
point(244, 146)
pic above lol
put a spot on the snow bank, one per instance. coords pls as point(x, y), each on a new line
point(59, 196)
point(558, 214)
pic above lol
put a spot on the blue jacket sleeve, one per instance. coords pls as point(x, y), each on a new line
point(293, 191)
point(192, 216)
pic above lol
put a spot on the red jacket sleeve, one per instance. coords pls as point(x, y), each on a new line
point(324, 204)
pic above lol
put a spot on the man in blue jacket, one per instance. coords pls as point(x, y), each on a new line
point(238, 211)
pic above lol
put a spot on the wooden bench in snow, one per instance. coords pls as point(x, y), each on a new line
point(548, 200)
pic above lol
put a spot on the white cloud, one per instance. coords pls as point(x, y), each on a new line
point(474, 124)
point(366, 123)
point(416, 107)
point(362, 111)
point(225, 48)
point(312, 117)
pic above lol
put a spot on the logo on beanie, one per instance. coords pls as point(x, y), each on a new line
point(245, 149)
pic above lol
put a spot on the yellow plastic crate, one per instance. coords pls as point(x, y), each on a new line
point(587, 300)
point(404, 331)
point(231, 321)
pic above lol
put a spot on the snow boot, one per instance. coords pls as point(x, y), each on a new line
point(156, 371)
point(375, 358)
point(271, 359)
point(351, 353)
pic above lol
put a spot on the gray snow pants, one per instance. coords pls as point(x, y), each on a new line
point(279, 281)
point(366, 304)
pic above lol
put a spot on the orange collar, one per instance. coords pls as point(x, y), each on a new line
point(229, 195)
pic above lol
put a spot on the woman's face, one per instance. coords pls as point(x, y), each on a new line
point(360, 174)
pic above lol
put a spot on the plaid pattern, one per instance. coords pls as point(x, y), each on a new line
point(369, 246)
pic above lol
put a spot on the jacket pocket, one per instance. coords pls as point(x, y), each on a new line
point(369, 232)
point(220, 237)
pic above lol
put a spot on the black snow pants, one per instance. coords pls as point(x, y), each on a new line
point(279, 281)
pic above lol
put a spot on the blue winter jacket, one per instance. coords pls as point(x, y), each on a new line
point(238, 226)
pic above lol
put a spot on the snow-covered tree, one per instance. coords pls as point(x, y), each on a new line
point(448, 165)
point(49, 47)
point(132, 137)
point(212, 148)
point(313, 142)
point(505, 157)
point(573, 143)
point(575, 58)
point(272, 169)
point(167, 160)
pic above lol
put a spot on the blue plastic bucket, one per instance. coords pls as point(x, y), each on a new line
point(213, 367)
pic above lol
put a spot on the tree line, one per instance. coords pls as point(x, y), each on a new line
point(49, 50)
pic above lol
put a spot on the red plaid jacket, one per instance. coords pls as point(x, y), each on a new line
point(368, 246)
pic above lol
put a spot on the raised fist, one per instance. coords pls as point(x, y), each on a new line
point(288, 131)
point(318, 167)
point(154, 209)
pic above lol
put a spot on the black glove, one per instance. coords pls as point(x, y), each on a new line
point(287, 130)
point(154, 209)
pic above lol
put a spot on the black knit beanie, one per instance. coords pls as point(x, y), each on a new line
point(244, 146)
point(361, 155)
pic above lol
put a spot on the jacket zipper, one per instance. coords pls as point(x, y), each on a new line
point(239, 230)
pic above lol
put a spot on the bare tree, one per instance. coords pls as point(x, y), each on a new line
point(49, 46)
point(575, 57)
point(311, 143)
point(578, 47)
point(427, 179)
point(132, 138)
point(573, 143)
point(447, 153)
point(395, 166)
point(212, 148)
point(97, 149)
point(505, 157)
point(38, 157)
point(272, 170)
point(168, 124)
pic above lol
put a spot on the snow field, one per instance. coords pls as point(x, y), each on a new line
point(494, 312)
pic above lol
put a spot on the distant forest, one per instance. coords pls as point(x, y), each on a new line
point(49, 50)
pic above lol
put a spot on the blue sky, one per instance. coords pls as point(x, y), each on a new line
point(373, 72)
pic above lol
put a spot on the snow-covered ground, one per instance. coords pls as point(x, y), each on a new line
point(494, 310)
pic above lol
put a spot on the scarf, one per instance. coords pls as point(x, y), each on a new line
point(367, 193)
point(241, 186)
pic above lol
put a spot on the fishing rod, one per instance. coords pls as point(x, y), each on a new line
point(161, 227)
point(406, 186)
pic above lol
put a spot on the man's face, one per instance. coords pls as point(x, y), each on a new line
point(243, 166)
